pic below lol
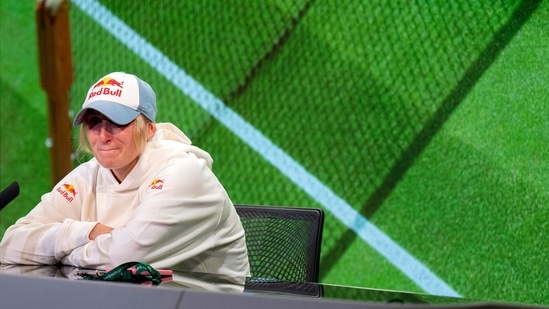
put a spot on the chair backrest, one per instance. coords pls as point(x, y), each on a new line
point(283, 242)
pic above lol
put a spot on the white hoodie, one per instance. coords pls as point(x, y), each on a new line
point(170, 211)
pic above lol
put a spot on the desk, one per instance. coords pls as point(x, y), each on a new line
point(62, 287)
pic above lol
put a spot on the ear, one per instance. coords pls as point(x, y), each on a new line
point(151, 130)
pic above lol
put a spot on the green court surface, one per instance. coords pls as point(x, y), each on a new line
point(424, 121)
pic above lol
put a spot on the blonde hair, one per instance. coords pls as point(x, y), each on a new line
point(140, 137)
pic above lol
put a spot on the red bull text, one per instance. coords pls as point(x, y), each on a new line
point(157, 184)
point(107, 85)
point(67, 191)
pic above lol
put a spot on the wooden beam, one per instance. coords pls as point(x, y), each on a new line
point(55, 64)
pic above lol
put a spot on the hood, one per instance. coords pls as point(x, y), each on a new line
point(168, 131)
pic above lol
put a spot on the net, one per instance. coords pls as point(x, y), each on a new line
point(350, 90)
point(343, 88)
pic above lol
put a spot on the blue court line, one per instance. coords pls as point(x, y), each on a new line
point(399, 257)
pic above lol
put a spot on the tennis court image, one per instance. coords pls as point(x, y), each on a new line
point(419, 127)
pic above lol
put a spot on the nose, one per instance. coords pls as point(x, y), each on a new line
point(105, 132)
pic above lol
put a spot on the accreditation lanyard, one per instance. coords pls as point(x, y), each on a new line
point(133, 272)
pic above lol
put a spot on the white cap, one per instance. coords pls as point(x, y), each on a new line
point(121, 97)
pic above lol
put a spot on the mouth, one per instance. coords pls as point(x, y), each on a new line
point(106, 150)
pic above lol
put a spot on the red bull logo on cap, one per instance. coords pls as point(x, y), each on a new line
point(157, 184)
point(67, 191)
point(107, 86)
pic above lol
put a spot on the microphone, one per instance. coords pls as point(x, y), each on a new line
point(11, 192)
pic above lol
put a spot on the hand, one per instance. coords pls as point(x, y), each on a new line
point(99, 229)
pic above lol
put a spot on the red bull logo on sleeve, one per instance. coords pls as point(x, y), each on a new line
point(157, 184)
point(67, 191)
point(107, 86)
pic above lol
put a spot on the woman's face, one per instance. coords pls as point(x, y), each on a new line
point(112, 145)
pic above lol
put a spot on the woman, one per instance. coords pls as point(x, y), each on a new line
point(148, 195)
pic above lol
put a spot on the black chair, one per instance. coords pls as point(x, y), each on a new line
point(283, 242)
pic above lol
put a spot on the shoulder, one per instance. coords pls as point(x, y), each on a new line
point(80, 178)
point(184, 175)
point(86, 171)
point(171, 152)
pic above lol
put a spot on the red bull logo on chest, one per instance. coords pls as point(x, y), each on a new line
point(157, 184)
point(67, 191)
point(107, 86)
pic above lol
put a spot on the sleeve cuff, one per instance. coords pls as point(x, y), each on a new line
point(78, 232)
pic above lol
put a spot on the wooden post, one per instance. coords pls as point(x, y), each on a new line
point(55, 61)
